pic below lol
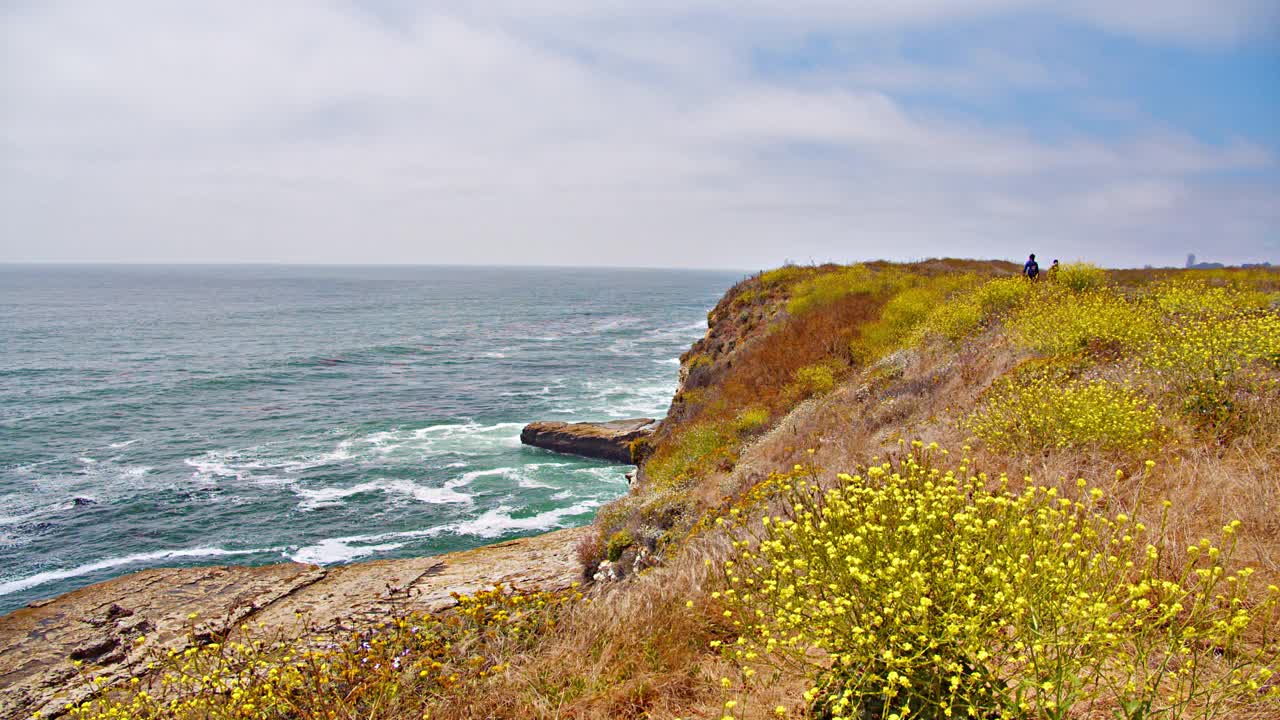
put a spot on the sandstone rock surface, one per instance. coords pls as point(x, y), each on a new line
point(605, 441)
point(115, 627)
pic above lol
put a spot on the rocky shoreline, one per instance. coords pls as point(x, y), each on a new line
point(52, 651)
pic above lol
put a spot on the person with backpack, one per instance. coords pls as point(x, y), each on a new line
point(1031, 269)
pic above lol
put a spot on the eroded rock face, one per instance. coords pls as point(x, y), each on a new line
point(605, 441)
point(115, 627)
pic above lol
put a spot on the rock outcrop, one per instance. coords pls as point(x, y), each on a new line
point(112, 629)
point(605, 441)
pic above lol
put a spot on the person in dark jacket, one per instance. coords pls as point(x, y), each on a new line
point(1030, 268)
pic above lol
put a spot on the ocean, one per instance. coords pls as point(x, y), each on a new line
point(190, 415)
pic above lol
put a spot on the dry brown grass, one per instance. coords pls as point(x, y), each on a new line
point(636, 650)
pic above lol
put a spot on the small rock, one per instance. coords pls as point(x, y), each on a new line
point(95, 650)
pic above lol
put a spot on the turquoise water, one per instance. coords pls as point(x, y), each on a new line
point(160, 416)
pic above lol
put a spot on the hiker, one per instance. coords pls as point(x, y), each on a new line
point(1030, 269)
point(1053, 270)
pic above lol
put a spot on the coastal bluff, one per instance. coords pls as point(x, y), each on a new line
point(604, 441)
point(52, 651)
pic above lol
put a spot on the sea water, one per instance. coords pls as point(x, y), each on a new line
point(183, 415)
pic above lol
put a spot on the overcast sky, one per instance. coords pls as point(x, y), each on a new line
point(735, 134)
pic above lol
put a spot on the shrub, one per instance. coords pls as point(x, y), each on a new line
point(750, 420)
point(1192, 297)
point(590, 551)
point(963, 315)
point(832, 285)
point(999, 296)
point(1207, 360)
point(955, 319)
point(691, 450)
point(1101, 321)
point(1040, 409)
point(1080, 276)
point(816, 379)
point(899, 317)
point(784, 275)
point(618, 543)
point(923, 592)
point(699, 360)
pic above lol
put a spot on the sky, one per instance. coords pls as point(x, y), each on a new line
point(701, 133)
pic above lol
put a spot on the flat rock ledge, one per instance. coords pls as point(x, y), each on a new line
point(604, 441)
point(115, 627)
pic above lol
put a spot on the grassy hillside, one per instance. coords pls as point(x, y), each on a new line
point(929, 490)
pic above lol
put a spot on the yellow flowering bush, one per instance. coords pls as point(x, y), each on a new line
point(1042, 408)
point(828, 287)
point(931, 592)
point(964, 314)
point(954, 320)
point(1193, 297)
point(816, 379)
point(1080, 276)
point(1001, 295)
point(904, 313)
point(384, 671)
point(750, 420)
point(1207, 360)
point(1100, 321)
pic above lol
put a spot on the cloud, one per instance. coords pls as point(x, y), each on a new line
point(636, 134)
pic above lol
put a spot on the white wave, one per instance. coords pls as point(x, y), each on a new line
point(668, 361)
point(118, 445)
point(498, 521)
point(87, 461)
point(322, 497)
point(338, 454)
point(467, 477)
point(494, 355)
point(20, 584)
point(255, 464)
point(337, 550)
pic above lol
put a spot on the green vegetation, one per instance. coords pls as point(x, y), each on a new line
point(1100, 322)
point(1080, 277)
point(816, 379)
point(750, 420)
point(618, 542)
point(1037, 410)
